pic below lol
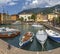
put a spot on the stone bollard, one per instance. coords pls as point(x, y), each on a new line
point(9, 47)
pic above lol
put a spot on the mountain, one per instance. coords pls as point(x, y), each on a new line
point(43, 10)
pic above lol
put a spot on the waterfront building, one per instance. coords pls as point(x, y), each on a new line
point(51, 16)
point(4, 18)
point(41, 18)
point(26, 17)
point(0, 18)
point(14, 17)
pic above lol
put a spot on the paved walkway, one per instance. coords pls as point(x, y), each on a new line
point(14, 50)
point(52, 27)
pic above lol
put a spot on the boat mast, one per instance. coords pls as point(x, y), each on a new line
point(7, 17)
point(2, 14)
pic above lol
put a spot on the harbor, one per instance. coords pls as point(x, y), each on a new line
point(51, 47)
point(35, 45)
point(29, 27)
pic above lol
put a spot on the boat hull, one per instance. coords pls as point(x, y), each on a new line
point(56, 39)
point(41, 42)
point(41, 36)
point(6, 35)
point(53, 35)
point(26, 42)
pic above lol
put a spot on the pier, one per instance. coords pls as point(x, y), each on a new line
point(50, 26)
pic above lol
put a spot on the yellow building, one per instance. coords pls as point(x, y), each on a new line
point(41, 18)
point(0, 18)
point(51, 16)
point(14, 17)
point(4, 18)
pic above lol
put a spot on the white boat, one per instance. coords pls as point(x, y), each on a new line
point(37, 25)
point(53, 35)
point(26, 39)
point(41, 36)
point(6, 32)
point(16, 23)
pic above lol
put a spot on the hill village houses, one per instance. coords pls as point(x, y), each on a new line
point(8, 19)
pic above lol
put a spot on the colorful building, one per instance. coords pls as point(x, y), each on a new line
point(4, 18)
point(51, 16)
point(41, 18)
point(26, 17)
point(14, 17)
point(0, 18)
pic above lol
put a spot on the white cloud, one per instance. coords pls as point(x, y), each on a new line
point(35, 1)
point(7, 2)
point(12, 3)
point(40, 3)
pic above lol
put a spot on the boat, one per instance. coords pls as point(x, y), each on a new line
point(37, 25)
point(53, 35)
point(41, 37)
point(6, 32)
point(16, 23)
point(26, 39)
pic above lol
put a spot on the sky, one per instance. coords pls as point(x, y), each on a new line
point(15, 6)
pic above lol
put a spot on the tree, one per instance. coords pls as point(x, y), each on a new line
point(58, 20)
point(53, 21)
point(29, 18)
point(33, 16)
point(21, 19)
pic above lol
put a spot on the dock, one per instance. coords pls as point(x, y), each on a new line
point(14, 50)
point(50, 26)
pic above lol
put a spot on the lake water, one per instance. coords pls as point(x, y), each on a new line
point(35, 45)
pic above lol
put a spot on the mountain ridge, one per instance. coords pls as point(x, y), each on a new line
point(43, 10)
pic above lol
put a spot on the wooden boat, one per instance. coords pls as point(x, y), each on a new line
point(26, 39)
point(53, 35)
point(8, 32)
point(41, 36)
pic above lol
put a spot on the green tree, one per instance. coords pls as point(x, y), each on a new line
point(33, 16)
point(58, 20)
point(29, 18)
point(21, 19)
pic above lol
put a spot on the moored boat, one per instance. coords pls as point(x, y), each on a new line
point(41, 36)
point(37, 25)
point(8, 32)
point(26, 39)
point(53, 35)
point(16, 23)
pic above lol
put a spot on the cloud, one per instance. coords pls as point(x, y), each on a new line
point(35, 2)
point(40, 3)
point(8, 2)
point(5, 1)
point(12, 3)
